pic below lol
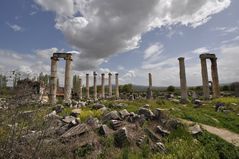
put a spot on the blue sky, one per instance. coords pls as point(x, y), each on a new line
point(132, 37)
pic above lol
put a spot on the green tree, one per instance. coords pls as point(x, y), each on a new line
point(127, 88)
point(171, 89)
point(225, 88)
point(76, 83)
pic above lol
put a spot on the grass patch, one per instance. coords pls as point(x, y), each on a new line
point(86, 113)
point(206, 114)
point(181, 145)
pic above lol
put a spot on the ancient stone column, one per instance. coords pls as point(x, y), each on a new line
point(103, 85)
point(117, 86)
point(183, 81)
point(204, 77)
point(87, 87)
point(68, 77)
point(215, 81)
point(110, 85)
point(80, 88)
point(53, 80)
point(95, 85)
point(150, 93)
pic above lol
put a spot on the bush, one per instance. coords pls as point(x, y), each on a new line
point(86, 113)
point(171, 89)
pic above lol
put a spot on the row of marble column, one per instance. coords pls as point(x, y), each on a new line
point(67, 89)
point(102, 95)
point(205, 82)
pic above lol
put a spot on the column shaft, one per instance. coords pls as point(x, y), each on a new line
point(103, 85)
point(150, 93)
point(87, 87)
point(205, 78)
point(80, 88)
point(95, 85)
point(53, 80)
point(117, 86)
point(68, 78)
point(215, 86)
point(183, 81)
point(110, 85)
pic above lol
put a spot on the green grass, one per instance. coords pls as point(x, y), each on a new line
point(179, 144)
point(206, 114)
point(182, 145)
point(86, 113)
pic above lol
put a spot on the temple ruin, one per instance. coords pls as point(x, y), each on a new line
point(215, 81)
point(68, 76)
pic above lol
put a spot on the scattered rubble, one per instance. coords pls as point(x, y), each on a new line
point(195, 129)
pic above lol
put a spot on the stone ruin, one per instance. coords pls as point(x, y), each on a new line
point(205, 82)
point(68, 76)
point(182, 74)
point(68, 81)
point(27, 87)
point(215, 81)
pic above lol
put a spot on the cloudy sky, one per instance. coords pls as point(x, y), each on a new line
point(131, 37)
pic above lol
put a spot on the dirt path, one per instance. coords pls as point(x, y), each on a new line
point(227, 135)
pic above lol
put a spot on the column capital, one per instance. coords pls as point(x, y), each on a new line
point(110, 74)
point(116, 74)
point(68, 57)
point(213, 59)
point(181, 58)
point(54, 58)
point(102, 74)
point(94, 73)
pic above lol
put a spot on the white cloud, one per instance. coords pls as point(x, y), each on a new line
point(235, 39)
point(228, 64)
point(120, 68)
point(61, 7)
point(226, 30)
point(73, 52)
point(153, 50)
point(46, 53)
point(201, 50)
point(172, 33)
point(128, 77)
point(103, 28)
point(15, 27)
point(33, 13)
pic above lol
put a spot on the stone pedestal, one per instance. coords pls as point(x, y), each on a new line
point(68, 78)
point(53, 80)
point(95, 85)
point(110, 85)
point(87, 87)
point(183, 81)
point(103, 85)
point(117, 86)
